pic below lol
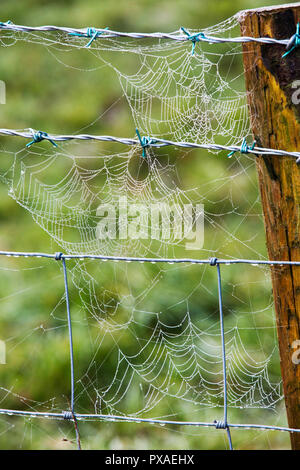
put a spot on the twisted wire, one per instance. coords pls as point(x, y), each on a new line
point(103, 33)
point(156, 143)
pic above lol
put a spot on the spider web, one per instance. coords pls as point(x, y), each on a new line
point(153, 335)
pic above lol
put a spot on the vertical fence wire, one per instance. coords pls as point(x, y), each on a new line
point(225, 422)
point(59, 257)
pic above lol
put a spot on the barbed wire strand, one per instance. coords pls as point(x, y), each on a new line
point(105, 33)
point(158, 143)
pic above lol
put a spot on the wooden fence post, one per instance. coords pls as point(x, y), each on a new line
point(272, 82)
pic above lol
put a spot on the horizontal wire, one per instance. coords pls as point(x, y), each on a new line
point(81, 416)
point(59, 256)
point(108, 33)
point(156, 142)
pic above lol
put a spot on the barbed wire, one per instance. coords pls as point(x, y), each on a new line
point(38, 136)
point(145, 142)
point(105, 33)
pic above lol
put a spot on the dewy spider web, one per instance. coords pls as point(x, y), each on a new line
point(172, 93)
point(152, 338)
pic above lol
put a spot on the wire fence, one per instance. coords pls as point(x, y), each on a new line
point(146, 142)
point(71, 414)
point(106, 33)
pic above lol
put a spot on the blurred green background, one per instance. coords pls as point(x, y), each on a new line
point(44, 94)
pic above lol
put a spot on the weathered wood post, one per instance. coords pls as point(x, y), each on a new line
point(272, 82)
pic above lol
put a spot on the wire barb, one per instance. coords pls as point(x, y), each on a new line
point(6, 23)
point(145, 142)
point(244, 148)
point(293, 42)
point(92, 33)
point(38, 136)
point(193, 37)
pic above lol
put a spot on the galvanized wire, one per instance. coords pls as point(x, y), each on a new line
point(155, 143)
point(130, 419)
point(224, 424)
point(70, 347)
point(73, 416)
point(79, 256)
point(106, 33)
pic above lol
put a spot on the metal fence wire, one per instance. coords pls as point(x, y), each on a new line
point(224, 424)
